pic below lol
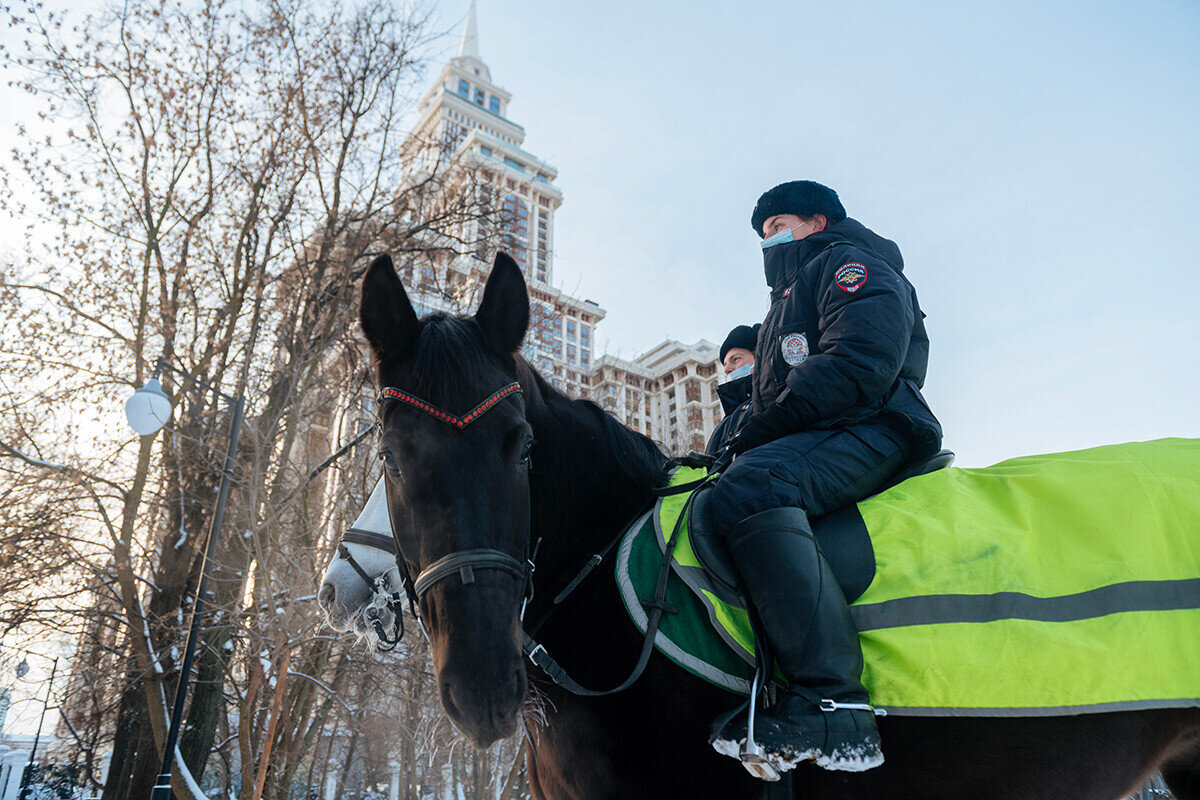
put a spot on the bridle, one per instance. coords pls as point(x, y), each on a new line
point(464, 563)
point(381, 597)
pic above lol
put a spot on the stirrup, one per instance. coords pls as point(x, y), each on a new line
point(751, 754)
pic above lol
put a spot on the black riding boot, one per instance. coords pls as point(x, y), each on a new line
point(815, 645)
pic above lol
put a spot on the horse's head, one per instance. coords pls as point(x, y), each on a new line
point(366, 555)
point(455, 445)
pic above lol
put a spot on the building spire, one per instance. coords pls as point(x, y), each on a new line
point(469, 46)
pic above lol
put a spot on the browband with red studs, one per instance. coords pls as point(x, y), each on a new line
point(446, 416)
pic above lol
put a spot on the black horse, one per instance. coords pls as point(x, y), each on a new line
point(482, 474)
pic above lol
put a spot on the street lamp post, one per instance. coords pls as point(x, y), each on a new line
point(22, 671)
point(147, 414)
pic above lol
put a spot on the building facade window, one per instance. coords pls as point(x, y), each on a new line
point(494, 105)
point(479, 97)
point(464, 89)
point(515, 225)
point(545, 333)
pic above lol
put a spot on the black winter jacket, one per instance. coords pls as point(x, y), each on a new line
point(844, 339)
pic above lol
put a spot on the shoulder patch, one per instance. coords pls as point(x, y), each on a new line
point(850, 277)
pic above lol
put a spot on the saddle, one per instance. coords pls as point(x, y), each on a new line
point(841, 536)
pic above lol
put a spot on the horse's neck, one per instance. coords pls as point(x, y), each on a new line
point(582, 501)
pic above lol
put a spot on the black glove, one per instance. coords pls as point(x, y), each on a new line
point(766, 426)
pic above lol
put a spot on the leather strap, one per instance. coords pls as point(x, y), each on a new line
point(657, 605)
point(379, 541)
point(465, 562)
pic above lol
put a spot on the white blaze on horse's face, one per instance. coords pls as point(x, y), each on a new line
point(344, 595)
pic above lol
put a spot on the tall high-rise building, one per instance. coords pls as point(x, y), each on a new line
point(465, 114)
point(669, 393)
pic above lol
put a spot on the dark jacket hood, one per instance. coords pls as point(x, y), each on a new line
point(783, 267)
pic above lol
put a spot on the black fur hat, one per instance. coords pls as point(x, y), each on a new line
point(743, 336)
point(802, 198)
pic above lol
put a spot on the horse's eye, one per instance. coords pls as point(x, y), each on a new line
point(389, 462)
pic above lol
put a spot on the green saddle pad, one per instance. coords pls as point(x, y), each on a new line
point(1044, 585)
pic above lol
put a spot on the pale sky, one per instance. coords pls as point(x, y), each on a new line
point(1037, 164)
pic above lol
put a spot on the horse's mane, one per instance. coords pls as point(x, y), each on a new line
point(636, 455)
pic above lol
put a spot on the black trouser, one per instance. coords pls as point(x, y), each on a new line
point(816, 471)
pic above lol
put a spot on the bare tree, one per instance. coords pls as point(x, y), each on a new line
point(209, 181)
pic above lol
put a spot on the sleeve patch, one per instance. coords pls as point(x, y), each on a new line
point(850, 277)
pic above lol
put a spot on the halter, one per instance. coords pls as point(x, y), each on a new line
point(464, 563)
point(381, 597)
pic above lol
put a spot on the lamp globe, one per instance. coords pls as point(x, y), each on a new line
point(148, 409)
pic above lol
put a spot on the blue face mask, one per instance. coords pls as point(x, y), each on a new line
point(741, 372)
point(783, 237)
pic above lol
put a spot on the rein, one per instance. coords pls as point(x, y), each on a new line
point(657, 604)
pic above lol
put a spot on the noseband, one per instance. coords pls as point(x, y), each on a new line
point(461, 562)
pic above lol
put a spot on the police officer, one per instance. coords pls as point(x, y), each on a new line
point(737, 359)
point(836, 412)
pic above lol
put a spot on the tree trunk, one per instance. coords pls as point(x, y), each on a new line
point(226, 586)
point(271, 732)
point(208, 701)
point(135, 762)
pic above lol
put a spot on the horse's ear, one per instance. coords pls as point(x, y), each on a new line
point(503, 313)
point(387, 316)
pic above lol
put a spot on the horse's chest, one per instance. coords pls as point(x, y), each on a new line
point(630, 747)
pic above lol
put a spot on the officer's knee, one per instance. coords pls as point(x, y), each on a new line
point(737, 495)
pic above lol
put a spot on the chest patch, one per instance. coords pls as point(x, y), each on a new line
point(850, 277)
point(795, 348)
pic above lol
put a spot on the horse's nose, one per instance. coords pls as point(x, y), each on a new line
point(326, 595)
point(485, 713)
